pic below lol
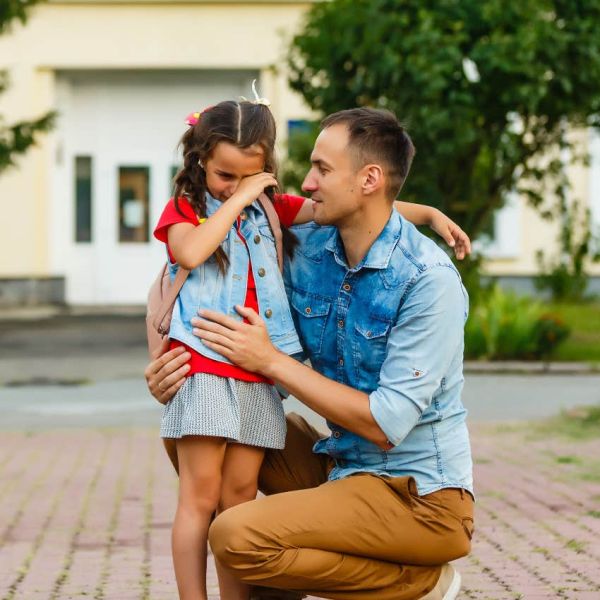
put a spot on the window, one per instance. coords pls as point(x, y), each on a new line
point(134, 204)
point(83, 199)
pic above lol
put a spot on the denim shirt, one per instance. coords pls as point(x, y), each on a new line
point(207, 288)
point(393, 328)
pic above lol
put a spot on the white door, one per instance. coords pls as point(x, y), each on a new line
point(116, 151)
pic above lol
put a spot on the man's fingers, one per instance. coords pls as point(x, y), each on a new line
point(223, 350)
point(250, 314)
point(157, 365)
point(217, 317)
point(210, 336)
point(201, 325)
point(168, 395)
point(164, 346)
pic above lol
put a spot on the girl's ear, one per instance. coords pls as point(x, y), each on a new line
point(373, 179)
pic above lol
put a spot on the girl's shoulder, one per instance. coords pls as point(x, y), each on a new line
point(175, 211)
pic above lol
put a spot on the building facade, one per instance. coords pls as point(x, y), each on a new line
point(80, 206)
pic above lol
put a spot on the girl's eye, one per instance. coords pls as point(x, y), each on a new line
point(225, 176)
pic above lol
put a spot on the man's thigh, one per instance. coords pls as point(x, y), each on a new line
point(296, 467)
point(362, 515)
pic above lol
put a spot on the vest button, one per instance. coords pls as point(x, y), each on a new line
point(337, 435)
point(347, 287)
point(257, 239)
point(268, 313)
point(261, 272)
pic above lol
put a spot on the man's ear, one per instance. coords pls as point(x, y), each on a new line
point(373, 179)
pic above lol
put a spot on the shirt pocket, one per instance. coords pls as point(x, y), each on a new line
point(369, 351)
point(311, 317)
point(266, 238)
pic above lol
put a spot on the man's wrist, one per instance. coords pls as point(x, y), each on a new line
point(272, 365)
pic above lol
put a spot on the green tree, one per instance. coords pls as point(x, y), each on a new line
point(16, 138)
point(488, 89)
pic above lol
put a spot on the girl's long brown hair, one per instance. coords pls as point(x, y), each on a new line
point(243, 124)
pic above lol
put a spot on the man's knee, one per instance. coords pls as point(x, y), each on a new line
point(232, 540)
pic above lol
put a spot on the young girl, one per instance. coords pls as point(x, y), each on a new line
point(223, 417)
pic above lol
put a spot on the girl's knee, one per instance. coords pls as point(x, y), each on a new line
point(233, 494)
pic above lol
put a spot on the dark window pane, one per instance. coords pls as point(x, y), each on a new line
point(83, 199)
point(134, 203)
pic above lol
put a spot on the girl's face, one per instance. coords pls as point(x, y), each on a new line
point(227, 165)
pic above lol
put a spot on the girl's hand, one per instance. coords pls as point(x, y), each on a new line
point(451, 233)
point(252, 186)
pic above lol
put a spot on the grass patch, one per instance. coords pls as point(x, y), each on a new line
point(582, 422)
point(583, 319)
point(594, 513)
point(568, 460)
point(576, 545)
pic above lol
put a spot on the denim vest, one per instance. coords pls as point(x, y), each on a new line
point(391, 327)
point(207, 288)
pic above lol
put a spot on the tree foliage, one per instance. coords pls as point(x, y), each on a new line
point(487, 88)
point(16, 138)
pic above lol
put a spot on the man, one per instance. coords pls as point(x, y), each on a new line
point(377, 509)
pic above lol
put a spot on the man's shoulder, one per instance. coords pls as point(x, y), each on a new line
point(419, 251)
point(312, 238)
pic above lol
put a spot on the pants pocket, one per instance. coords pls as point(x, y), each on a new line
point(468, 526)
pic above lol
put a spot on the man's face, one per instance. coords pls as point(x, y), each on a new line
point(333, 182)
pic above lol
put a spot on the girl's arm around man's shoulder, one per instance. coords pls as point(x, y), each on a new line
point(296, 210)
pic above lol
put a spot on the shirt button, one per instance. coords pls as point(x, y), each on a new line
point(261, 272)
point(308, 310)
point(347, 287)
point(341, 323)
point(268, 313)
point(243, 216)
point(257, 239)
point(337, 435)
point(341, 362)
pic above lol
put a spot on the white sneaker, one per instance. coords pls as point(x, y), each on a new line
point(447, 586)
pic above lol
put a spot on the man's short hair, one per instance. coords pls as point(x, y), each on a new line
point(376, 136)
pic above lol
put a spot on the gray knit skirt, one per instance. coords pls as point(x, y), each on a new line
point(241, 411)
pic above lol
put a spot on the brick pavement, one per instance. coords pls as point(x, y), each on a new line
point(86, 514)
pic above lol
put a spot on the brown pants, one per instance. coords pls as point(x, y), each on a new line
point(363, 537)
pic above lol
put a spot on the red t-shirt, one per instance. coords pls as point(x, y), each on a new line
point(287, 208)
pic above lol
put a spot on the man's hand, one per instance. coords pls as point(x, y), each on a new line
point(165, 374)
point(245, 344)
point(451, 233)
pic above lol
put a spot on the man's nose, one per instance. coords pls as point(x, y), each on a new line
point(309, 184)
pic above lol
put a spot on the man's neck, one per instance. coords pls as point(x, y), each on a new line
point(360, 231)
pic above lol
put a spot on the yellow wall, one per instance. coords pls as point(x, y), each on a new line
point(167, 35)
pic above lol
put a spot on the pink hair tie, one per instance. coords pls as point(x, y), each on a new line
point(192, 119)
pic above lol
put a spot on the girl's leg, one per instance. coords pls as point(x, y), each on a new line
point(200, 463)
point(240, 484)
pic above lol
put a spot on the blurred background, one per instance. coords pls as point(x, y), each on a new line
point(502, 100)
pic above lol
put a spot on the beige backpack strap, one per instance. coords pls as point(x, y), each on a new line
point(168, 300)
point(275, 225)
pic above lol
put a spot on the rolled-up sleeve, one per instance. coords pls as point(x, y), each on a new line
point(421, 347)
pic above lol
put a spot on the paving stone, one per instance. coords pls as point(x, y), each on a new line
point(87, 513)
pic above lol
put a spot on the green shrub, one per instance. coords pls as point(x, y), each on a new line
point(505, 326)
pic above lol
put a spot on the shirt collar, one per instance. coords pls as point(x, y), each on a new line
point(380, 252)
